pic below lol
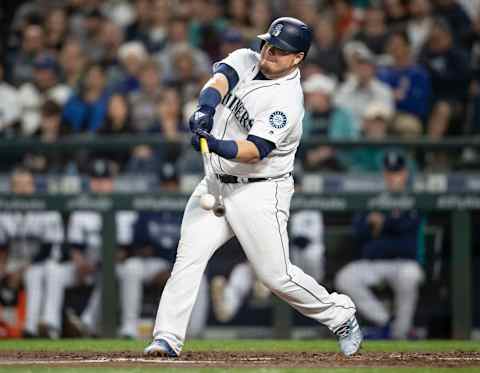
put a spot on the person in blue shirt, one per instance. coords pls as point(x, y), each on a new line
point(410, 82)
point(388, 245)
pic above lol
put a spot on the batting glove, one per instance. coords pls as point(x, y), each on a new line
point(212, 141)
point(202, 119)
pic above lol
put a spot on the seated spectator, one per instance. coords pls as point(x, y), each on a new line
point(373, 32)
point(56, 28)
point(449, 70)
point(86, 111)
point(30, 246)
point(456, 17)
point(21, 61)
point(9, 106)
point(132, 57)
point(160, 15)
point(73, 61)
point(420, 23)
point(139, 28)
point(362, 88)
point(207, 26)
point(375, 126)
point(388, 244)
point(232, 39)
point(396, 13)
point(45, 86)
point(142, 102)
point(323, 118)
point(410, 83)
point(325, 51)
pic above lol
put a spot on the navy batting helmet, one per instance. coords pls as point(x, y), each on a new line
point(288, 34)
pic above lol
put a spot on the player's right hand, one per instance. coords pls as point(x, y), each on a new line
point(202, 118)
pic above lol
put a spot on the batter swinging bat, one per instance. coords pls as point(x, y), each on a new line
point(219, 208)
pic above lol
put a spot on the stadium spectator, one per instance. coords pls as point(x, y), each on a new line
point(178, 38)
point(86, 110)
point(232, 39)
point(142, 102)
point(238, 17)
point(410, 83)
point(449, 70)
point(132, 57)
point(139, 28)
point(420, 24)
point(388, 245)
point(326, 52)
point(9, 106)
point(375, 127)
point(149, 261)
point(44, 86)
point(30, 247)
point(362, 87)
point(207, 26)
point(56, 29)
point(456, 17)
point(374, 32)
point(323, 118)
point(73, 61)
point(261, 15)
point(161, 14)
point(21, 62)
point(396, 13)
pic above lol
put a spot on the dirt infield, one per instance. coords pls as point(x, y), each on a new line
point(240, 359)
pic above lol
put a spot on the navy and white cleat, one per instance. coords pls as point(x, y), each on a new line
point(160, 348)
point(349, 336)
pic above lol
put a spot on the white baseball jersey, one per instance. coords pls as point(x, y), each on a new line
point(270, 109)
point(85, 229)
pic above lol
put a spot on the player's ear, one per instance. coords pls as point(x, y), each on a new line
point(299, 58)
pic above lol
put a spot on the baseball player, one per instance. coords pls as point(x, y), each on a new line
point(30, 247)
point(250, 113)
point(389, 243)
point(307, 251)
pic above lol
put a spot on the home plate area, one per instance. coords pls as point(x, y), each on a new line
point(242, 359)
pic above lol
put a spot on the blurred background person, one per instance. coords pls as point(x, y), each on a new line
point(9, 106)
point(388, 247)
point(324, 118)
point(30, 247)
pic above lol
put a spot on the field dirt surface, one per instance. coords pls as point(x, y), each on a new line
point(242, 359)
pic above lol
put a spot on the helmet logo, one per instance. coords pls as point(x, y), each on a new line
point(277, 30)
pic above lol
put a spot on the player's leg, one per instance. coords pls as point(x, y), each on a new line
point(33, 280)
point(228, 295)
point(356, 280)
point(59, 276)
point(407, 275)
point(311, 260)
point(198, 319)
point(132, 274)
point(261, 228)
point(201, 234)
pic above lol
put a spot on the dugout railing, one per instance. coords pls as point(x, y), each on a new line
point(458, 206)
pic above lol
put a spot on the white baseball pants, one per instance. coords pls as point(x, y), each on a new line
point(257, 214)
point(402, 275)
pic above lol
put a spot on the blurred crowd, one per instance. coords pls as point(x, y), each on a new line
point(377, 68)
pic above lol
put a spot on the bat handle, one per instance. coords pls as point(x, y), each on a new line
point(203, 145)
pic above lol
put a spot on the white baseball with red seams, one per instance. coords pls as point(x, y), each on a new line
point(255, 212)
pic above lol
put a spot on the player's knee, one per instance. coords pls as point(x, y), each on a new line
point(345, 280)
point(409, 275)
point(131, 268)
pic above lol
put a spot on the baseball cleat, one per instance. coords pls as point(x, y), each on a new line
point(160, 348)
point(349, 336)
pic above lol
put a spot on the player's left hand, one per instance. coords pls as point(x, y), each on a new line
point(202, 118)
point(212, 141)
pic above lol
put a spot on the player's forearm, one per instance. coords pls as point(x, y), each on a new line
point(247, 152)
point(219, 82)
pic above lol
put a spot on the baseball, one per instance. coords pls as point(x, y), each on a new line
point(207, 201)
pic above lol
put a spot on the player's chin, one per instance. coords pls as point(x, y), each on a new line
point(268, 67)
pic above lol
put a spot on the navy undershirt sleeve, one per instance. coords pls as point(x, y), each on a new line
point(264, 146)
point(229, 73)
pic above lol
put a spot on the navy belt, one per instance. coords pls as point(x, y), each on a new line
point(230, 179)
